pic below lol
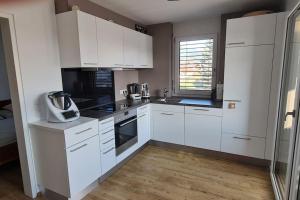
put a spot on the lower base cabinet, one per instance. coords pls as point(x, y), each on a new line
point(108, 159)
point(243, 145)
point(168, 127)
point(203, 131)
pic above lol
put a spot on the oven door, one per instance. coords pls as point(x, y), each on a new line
point(126, 134)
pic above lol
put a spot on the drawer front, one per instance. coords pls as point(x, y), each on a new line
point(203, 111)
point(241, 145)
point(83, 164)
point(108, 159)
point(143, 110)
point(106, 124)
point(107, 133)
point(108, 142)
point(167, 108)
point(81, 133)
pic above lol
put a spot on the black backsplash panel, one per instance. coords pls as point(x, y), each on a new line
point(89, 88)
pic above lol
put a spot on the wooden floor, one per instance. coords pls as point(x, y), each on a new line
point(165, 174)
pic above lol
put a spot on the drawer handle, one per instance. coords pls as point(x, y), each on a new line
point(142, 115)
point(107, 132)
point(76, 149)
point(78, 133)
point(102, 123)
point(240, 138)
point(231, 100)
point(236, 43)
point(108, 141)
point(90, 63)
point(109, 150)
point(198, 109)
point(166, 114)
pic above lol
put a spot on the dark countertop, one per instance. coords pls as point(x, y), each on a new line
point(127, 104)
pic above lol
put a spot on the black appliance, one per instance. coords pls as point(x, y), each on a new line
point(89, 88)
point(125, 130)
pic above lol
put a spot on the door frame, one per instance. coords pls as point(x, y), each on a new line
point(13, 68)
point(295, 139)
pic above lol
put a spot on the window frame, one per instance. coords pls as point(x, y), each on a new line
point(176, 78)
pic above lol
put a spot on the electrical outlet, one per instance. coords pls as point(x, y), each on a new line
point(123, 92)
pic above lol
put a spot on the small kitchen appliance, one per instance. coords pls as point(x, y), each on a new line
point(145, 91)
point(134, 91)
point(60, 107)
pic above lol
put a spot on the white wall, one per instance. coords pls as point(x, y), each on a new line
point(4, 87)
point(38, 58)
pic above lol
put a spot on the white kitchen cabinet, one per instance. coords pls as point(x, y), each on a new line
point(67, 155)
point(246, 90)
point(110, 44)
point(131, 48)
point(107, 145)
point(82, 167)
point(77, 36)
point(168, 127)
point(243, 145)
point(203, 131)
point(144, 134)
point(254, 30)
point(145, 59)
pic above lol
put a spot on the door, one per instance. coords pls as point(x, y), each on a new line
point(168, 127)
point(88, 40)
point(144, 129)
point(131, 48)
point(203, 131)
point(282, 173)
point(255, 30)
point(246, 90)
point(110, 44)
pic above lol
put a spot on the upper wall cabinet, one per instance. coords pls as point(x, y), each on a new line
point(131, 48)
point(145, 51)
point(77, 35)
point(110, 44)
point(249, 31)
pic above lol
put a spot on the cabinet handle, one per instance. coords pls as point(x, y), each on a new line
point(109, 150)
point(129, 65)
point(78, 133)
point(236, 43)
point(107, 132)
point(198, 109)
point(240, 138)
point(102, 123)
point(231, 100)
point(166, 114)
point(108, 141)
point(142, 115)
point(144, 65)
point(76, 149)
point(90, 63)
point(118, 64)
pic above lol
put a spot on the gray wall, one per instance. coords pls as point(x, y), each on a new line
point(4, 87)
point(290, 4)
point(160, 76)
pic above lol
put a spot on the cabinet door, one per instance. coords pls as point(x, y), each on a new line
point(83, 164)
point(110, 43)
point(203, 131)
point(144, 129)
point(168, 127)
point(88, 40)
point(131, 48)
point(145, 51)
point(254, 30)
point(247, 89)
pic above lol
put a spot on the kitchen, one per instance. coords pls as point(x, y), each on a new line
point(185, 90)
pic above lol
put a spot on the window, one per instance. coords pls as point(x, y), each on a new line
point(195, 65)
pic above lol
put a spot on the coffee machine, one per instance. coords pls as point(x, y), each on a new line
point(145, 91)
point(134, 91)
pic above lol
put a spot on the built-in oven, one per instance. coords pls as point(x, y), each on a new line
point(125, 130)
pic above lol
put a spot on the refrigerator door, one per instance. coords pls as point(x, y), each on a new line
point(283, 163)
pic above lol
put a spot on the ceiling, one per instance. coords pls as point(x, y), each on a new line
point(159, 11)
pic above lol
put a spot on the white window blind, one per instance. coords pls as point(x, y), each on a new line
point(196, 64)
